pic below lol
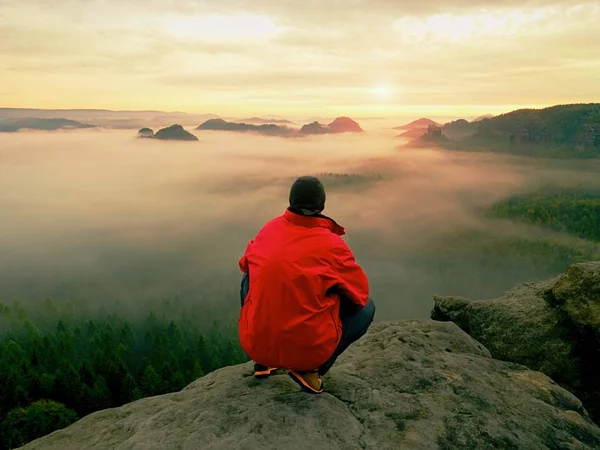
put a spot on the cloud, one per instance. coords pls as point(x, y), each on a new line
point(239, 54)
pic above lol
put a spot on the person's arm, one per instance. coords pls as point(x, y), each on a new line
point(244, 288)
point(243, 262)
point(352, 279)
point(245, 283)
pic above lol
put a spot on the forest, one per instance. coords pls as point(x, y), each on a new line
point(573, 211)
point(56, 367)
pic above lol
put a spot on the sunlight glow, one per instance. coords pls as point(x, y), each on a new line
point(382, 91)
point(240, 59)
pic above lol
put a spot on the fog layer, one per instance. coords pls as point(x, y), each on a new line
point(98, 216)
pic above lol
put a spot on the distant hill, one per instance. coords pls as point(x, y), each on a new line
point(419, 123)
point(480, 118)
point(109, 118)
point(146, 133)
point(413, 133)
point(339, 125)
point(173, 133)
point(433, 135)
point(36, 123)
point(314, 128)
point(344, 125)
point(261, 121)
point(459, 129)
point(223, 125)
point(558, 131)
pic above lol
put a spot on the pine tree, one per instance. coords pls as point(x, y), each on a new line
point(150, 384)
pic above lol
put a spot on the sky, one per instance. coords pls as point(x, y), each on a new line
point(296, 58)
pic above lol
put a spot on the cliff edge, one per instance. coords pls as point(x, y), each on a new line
point(415, 384)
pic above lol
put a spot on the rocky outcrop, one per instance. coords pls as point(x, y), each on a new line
point(175, 133)
point(146, 133)
point(577, 293)
point(552, 326)
point(434, 133)
point(415, 384)
point(313, 128)
point(344, 125)
point(432, 136)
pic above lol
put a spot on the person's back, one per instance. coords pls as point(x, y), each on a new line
point(300, 271)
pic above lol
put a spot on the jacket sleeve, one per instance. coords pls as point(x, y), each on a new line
point(351, 278)
point(243, 262)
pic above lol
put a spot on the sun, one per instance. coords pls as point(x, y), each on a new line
point(382, 91)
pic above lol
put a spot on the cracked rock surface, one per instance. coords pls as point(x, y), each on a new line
point(416, 384)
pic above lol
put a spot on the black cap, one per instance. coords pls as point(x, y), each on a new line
point(307, 193)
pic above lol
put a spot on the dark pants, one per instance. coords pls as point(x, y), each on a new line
point(355, 323)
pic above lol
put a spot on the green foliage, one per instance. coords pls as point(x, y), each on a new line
point(563, 131)
point(22, 425)
point(571, 211)
point(49, 357)
point(433, 135)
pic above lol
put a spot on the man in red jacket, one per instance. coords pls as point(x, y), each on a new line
point(304, 297)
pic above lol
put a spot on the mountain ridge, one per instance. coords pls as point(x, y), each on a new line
point(42, 124)
point(571, 130)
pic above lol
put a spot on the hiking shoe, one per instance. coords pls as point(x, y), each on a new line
point(261, 371)
point(309, 381)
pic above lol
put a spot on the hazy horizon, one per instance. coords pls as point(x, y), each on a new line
point(300, 58)
point(190, 118)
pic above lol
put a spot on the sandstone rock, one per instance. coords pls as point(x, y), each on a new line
point(578, 294)
point(175, 133)
point(519, 326)
point(552, 326)
point(313, 128)
point(416, 384)
point(145, 133)
point(344, 125)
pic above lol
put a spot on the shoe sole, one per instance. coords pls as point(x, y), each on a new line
point(303, 384)
point(264, 373)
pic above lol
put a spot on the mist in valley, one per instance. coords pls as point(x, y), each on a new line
point(99, 217)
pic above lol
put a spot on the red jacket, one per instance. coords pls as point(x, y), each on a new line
point(290, 318)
